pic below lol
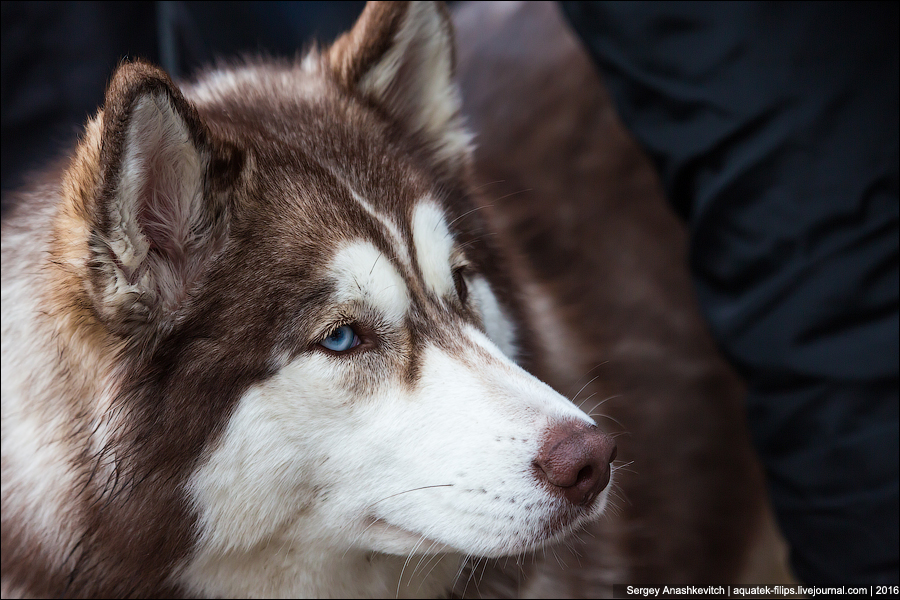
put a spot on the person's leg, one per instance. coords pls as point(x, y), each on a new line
point(775, 130)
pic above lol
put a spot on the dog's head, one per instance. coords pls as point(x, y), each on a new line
point(316, 340)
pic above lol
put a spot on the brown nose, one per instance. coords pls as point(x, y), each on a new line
point(574, 459)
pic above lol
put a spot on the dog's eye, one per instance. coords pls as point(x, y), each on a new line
point(341, 339)
point(460, 282)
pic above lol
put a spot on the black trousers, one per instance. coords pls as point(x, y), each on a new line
point(775, 131)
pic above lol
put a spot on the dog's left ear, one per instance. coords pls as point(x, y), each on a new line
point(400, 56)
point(159, 213)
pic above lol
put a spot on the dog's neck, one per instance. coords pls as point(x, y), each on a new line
point(314, 572)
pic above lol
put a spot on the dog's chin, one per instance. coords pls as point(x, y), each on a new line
point(557, 528)
point(391, 539)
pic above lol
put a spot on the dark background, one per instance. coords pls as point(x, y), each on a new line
point(58, 57)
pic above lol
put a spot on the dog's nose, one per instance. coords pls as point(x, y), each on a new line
point(574, 458)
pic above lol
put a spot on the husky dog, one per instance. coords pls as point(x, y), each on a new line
point(257, 343)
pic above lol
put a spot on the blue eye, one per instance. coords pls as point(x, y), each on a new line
point(341, 339)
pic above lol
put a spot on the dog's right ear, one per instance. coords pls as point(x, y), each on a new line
point(159, 213)
point(400, 56)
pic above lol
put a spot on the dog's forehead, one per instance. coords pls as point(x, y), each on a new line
point(297, 124)
point(328, 172)
point(314, 201)
point(331, 181)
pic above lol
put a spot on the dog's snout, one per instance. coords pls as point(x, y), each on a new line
point(575, 459)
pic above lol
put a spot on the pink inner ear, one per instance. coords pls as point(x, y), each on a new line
point(162, 176)
point(169, 217)
point(161, 216)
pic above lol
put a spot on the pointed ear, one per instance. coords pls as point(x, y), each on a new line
point(160, 212)
point(400, 56)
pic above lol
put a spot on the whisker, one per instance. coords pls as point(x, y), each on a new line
point(601, 402)
point(512, 194)
point(424, 487)
point(357, 538)
point(408, 558)
point(623, 467)
point(588, 372)
point(475, 240)
point(484, 185)
point(471, 576)
point(459, 572)
point(465, 214)
point(580, 404)
point(483, 571)
point(437, 560)
point(584, 386)
point(423, 557)
point(613, 419)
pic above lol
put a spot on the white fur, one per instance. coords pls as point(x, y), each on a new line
point(499, 327)
point(363, 274)
point(37, 478)
point(221, 83)
point(272, 522)
point(434, 246)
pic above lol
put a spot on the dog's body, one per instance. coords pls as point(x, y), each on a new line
point(258, 340)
